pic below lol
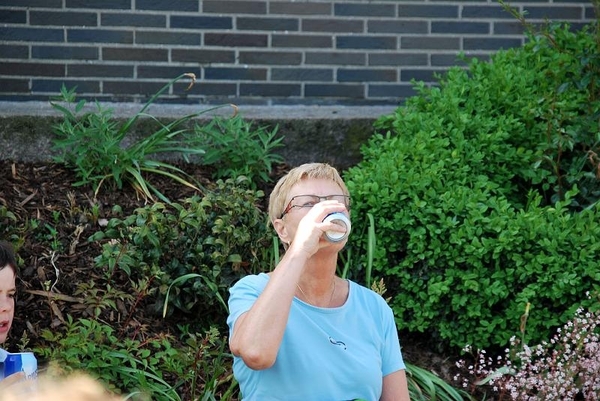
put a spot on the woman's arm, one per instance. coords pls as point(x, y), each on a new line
point(257, 334)
point(395, 387)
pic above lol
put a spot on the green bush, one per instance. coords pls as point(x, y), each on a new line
point(485, 195)
point(211, 241)
point(159, 368)
point(236, 148)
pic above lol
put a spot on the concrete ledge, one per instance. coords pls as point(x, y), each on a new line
point(8, 109)
point(332, 134)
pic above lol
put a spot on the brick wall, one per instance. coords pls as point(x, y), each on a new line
point(258, 52)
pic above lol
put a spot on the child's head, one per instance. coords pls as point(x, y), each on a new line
point(8, 275)
point(77, 387)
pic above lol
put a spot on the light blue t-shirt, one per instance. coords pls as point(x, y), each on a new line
point(327, 354)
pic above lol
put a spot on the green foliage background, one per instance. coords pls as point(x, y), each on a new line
point(213, 239)
point(485, 191)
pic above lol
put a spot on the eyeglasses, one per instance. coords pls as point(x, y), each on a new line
point(308, 201)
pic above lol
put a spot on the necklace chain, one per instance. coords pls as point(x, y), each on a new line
point(310, 300)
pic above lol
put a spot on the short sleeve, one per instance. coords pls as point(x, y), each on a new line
point(243, 295)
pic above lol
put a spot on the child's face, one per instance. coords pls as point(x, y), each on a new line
point(7, 301)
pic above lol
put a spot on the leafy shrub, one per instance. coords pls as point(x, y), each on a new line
point(94, 145)
point(484, 194)
point(160, 368)
point(236, 148)
point(213, 240)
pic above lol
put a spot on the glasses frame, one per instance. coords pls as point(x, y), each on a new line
point(321, 198)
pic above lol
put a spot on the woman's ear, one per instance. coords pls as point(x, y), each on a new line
point(282, 232)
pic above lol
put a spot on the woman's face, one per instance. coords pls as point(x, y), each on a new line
point(297, 207)
point(7, 301)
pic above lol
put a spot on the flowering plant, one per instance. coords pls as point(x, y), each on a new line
point(565, 368)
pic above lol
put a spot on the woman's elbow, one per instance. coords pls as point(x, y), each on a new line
point(253, 358)
point(257, 361)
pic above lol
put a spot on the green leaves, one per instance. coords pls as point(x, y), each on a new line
point(194, 250)
point(236, 148)
point(483, 191)
point(94, 145)
point(103, 151)
point(134, 367)
point(190, 276)
point(425, 385)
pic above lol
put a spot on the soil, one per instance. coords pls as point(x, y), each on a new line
point(43, 193)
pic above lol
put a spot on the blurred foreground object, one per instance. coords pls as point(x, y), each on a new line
point(78, 387)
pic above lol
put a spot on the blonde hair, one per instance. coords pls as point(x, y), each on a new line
point(279, 197)
point(77, 387)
